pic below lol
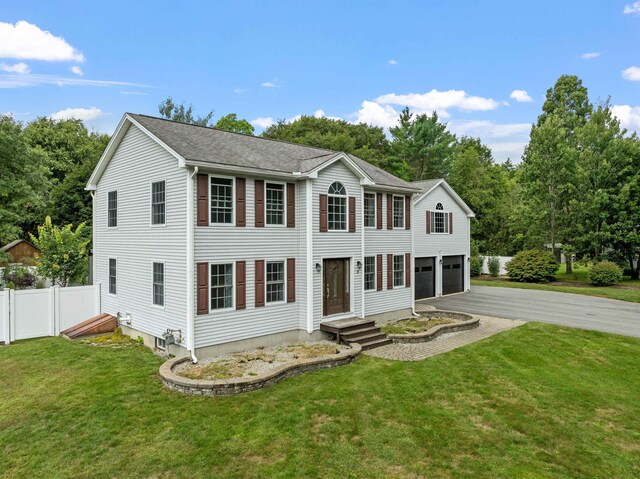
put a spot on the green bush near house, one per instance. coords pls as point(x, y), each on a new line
point(493, 263)
point(605, 273)
point(532, 266)
point(476, 265)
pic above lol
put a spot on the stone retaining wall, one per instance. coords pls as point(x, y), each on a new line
point(466, 322)
point(223, 387)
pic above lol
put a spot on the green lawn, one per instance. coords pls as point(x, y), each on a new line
point(538, 401)
point(627, 290)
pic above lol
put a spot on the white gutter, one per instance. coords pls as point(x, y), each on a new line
point(191, 265)
point(310, 265)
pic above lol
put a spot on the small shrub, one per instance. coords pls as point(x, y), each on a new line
point(605, 273)
point(19, 276)
point(476, 265)
point(493, 263)
point(532, 266)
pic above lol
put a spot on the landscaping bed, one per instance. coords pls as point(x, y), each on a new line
point(251, 370)
point(428, 326)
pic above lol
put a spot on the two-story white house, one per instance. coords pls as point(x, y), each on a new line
point(235, 241)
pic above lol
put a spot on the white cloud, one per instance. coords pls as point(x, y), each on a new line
point(521, 96)
point(632, 8)
point(76, 70)
point(489, 130)
point(84, 114)
point(269, 84)
point(392, 62)
point(512, 150)
point(631, 74)
point(240, 90)
point(263, 121)
point(373, 113)
point(133, 93)
point(27, 80)
point(21, 68)
point(628, 115)
point(26, 41)
point(319, 113)
point(590, 55)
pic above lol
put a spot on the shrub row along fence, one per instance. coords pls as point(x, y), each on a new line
point(503, 261)
point(35, 313)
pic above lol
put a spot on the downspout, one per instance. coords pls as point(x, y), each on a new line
point(362, 252)
point(93, 242)
point(309, 253)
point(190, 265)
point(413, 258)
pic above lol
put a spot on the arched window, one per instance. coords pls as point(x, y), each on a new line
point(439, 220)
point(337, 207)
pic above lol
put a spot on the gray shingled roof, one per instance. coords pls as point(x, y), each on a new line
point(214, 146)
point(425, 185)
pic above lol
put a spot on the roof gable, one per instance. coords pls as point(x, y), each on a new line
point(427, 186)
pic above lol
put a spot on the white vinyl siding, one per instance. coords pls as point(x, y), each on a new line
point(370, 273)
point(221, 197)
point(275, 281)
point(370, 210)
point(221, 285)
point(398, 270)
point(137, 162)
point(113, 276)
point(398, 211)
point(158, 284)
point(158, 202)
point(274, 202)
point(112, 209)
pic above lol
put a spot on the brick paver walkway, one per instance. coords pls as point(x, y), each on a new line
point(421, 307)
point(415, 352)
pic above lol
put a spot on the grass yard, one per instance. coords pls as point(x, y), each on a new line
point(538, 401)
point(627, 290)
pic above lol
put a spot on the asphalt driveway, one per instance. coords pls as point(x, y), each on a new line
point(565, 309)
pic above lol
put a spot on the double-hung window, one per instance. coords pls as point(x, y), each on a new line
point(113, 276)
point(370, 210)
point(158, 201)
point(337, 207)
point(274, 193)
point(221, 200)
point(369, 273)
point(158, 284)
point(398, 211)
point(112, 209)
point(275, 281)
point(221, 286)
point(439, 220)
point(398, 270)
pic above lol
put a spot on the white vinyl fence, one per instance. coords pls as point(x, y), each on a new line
point(503, 261)
point(34, 313)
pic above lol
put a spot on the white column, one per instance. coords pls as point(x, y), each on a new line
point(12, 314)
point(309, 254)
point(97, 287)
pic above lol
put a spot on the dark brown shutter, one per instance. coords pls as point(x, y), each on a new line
point(428, 222)
point(241, 202)
point(291, 280)
point(352, 214)
point(450, 223)
point(379, 211)
point(323, 213)
point(407, 212)
point(241, 284)
point(202, 284)
point(259, 282)
point(379, 272)
point(203, 200)
point(407, 269)
point(259, 201)
point(389, 271)
point(389, 212)
point(291, 205)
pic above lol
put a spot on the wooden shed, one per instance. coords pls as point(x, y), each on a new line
point(21, 251)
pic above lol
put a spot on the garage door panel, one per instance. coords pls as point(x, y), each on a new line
point(452, 274)
point(425, 278)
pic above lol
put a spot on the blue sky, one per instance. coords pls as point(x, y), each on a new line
point(484, 66)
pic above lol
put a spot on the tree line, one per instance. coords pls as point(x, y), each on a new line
point(577, 188)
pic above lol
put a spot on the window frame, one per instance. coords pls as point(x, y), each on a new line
point(345, 198)
point(164, 284)
point(161, 344)
point(374, 272)
point(151, 204)
point(284, 204)
point(401, 271)
point(233, 200)
point(364, 210)
point(402, 210)
point(115, 277)
point(233, 286)
point(109, 226)
point(432, 220)
point(284, 281)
